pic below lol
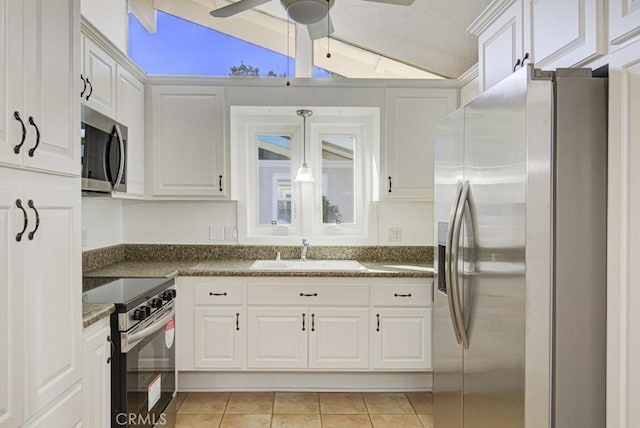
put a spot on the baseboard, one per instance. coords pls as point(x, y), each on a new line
point(304, 381)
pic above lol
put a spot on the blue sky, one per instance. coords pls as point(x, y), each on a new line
point(181, 47)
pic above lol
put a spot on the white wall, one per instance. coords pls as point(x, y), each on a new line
point(415, 219)
point(110, 18)
point(101, 222)
point(177, 222)
point(188, 222)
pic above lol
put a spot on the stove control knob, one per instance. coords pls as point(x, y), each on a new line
point(139, 314)
point(173, 292)
point(146, 309)
point(167, 295)
point(156, 303)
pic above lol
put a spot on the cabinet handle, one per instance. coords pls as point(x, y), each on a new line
point(84, 86)
point(389, 184)
point(378, 322)
point(113, 347)
point(518, 62)
point(524, 58)
point(35, 229)
point(17, 147)
point(220, 182)
point(237, 321)
point(25, 221)
point(313, 322)
point(217, 294)
point(303, 329)
point(90, 89)
point(308, 295)
point(32, 150)
point(401, 295)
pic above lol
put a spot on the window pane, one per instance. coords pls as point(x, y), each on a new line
point(274, 179)
point(338, 195)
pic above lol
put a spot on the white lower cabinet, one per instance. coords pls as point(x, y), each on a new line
point(300, 324)
point(96, 382)
point(65, 412)
point(402, 339)
point(218, 337)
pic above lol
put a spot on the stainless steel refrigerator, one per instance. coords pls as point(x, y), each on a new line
point(520, 220)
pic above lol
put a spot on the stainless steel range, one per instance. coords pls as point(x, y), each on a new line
point(143, 370)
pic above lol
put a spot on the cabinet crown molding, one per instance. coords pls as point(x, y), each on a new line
point(469, 75)
point(490, 14)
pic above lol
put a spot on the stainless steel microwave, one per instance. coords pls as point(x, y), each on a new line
point(104, 153)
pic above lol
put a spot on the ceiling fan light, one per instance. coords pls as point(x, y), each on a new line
point(306, 11)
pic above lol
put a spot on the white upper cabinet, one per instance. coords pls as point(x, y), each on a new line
point(567, 33)
point(500, 41)
point(99, 79)
point(624, 20)
point(130, 112)
point(38, 73)
point(187, 139)
point(407, 153)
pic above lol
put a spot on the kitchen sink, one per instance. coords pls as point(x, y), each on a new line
point(308, 265)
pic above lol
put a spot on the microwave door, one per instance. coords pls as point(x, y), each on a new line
point(95, 174)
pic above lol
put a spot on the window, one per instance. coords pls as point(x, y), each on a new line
point(342, 147)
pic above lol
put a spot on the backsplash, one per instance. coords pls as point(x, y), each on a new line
point(95, 259)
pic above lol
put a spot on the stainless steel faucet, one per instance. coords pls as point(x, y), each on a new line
point(303, 249)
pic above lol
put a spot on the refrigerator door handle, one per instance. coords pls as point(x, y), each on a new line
point(455, 279)
point(448, 264)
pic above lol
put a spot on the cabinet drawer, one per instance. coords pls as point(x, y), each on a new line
point(402, 294)
point(218, 293)
point(309, 294)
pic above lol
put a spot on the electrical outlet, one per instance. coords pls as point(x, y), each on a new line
point(394, 234)
point(84, 238)
point(216, 232)
point(230, 233)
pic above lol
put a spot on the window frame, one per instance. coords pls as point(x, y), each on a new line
point(363, 123)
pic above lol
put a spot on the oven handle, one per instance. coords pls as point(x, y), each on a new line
point(129, 341)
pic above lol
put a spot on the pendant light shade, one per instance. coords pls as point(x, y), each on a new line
point(304, 172)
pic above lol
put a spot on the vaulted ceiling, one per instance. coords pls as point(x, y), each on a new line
point(429, 34)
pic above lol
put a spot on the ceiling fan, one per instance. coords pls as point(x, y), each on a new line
point(312, 13)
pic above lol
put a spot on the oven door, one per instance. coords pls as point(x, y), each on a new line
point(146, 375)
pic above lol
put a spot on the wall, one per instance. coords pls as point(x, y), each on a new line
point(188, 222)
point(102, 222)
point(110, 18)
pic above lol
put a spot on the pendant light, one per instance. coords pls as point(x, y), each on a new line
point(304, 172)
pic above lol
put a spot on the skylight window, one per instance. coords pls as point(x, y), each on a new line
point(181, 47)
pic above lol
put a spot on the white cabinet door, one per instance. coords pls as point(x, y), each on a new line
point(51, 75)
point(623, 236)
point(52, 264)
point(218, 337)
point(500, 46)
point(11, 80)
point(96, 381)
point(402, 339)
point(277, 337)
point(130, 108)
point(11, 304)
point(39, 119)
point(624, 20)
point(100, 74)
point(65, 412)
point(339, 338)
point(567, 33)
point(412, 116)
point(188, 149)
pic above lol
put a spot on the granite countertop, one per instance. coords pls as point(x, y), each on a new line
point(92, 313)
point(170, 269)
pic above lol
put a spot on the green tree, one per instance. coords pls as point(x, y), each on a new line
point(244, 70)
point(330, 213)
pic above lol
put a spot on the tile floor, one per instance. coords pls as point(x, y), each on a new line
point(304, 410)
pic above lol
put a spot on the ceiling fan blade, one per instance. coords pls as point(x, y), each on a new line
point(396, 2)
point(320, 29)
point(237, 7)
